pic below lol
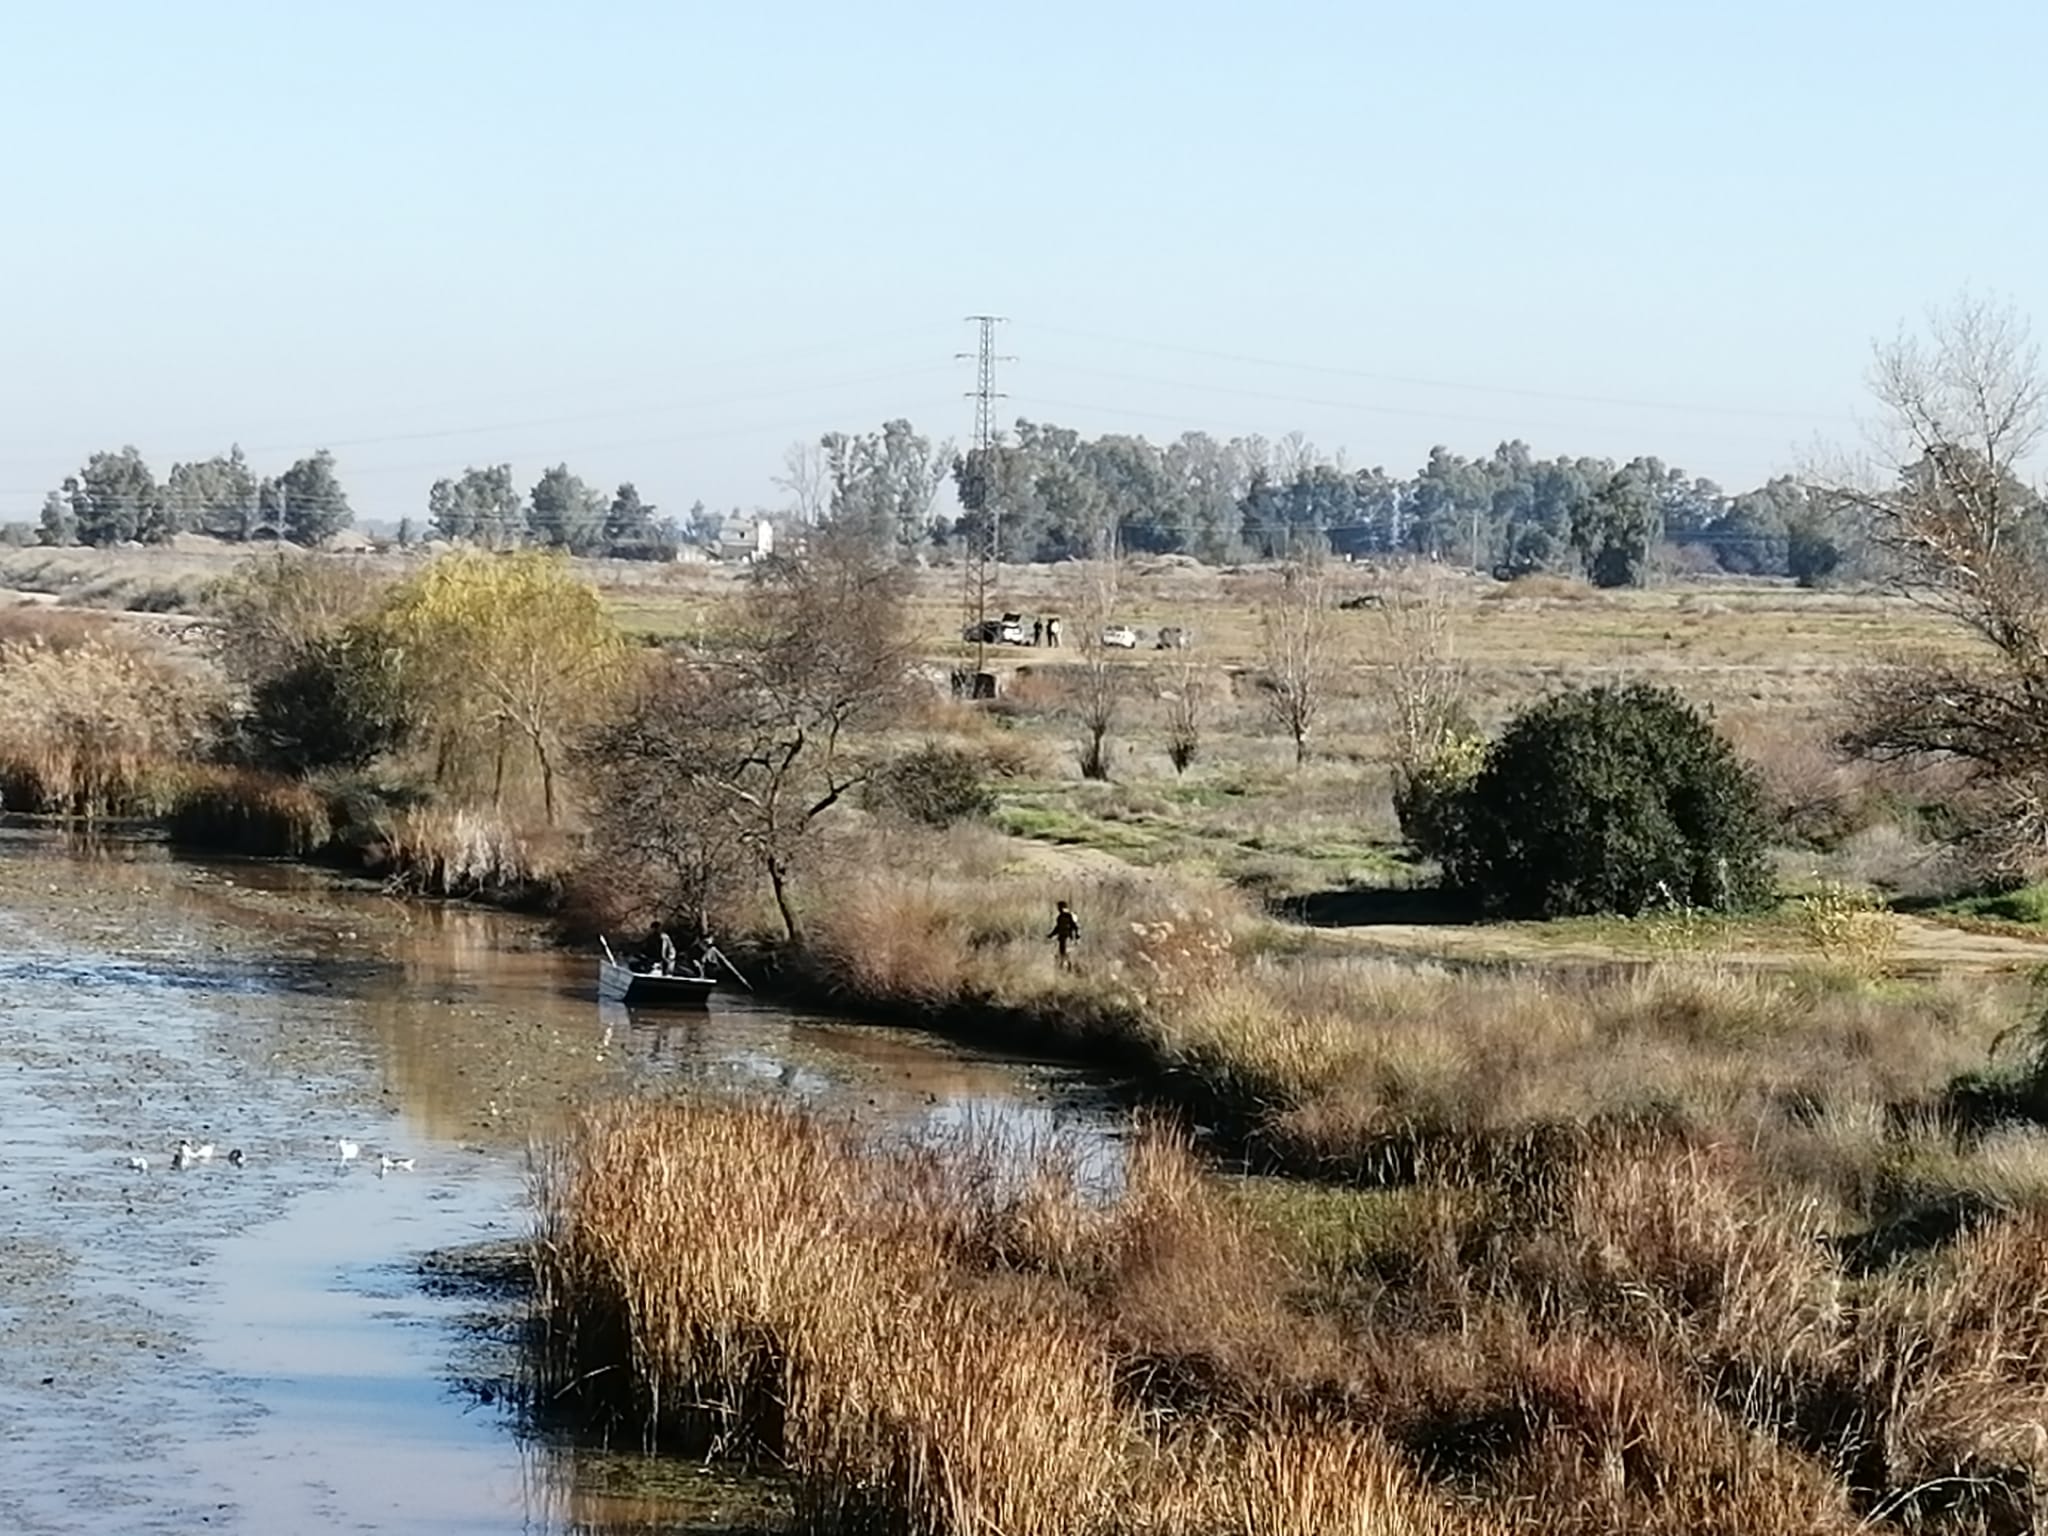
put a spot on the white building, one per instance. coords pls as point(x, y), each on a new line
point(745, 539)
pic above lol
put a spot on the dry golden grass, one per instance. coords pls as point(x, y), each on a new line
point(943, 1341)
point(235, 810)
point(747, 1277)
point(94, 728)
point(457, 850)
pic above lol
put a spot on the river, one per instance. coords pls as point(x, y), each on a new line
point(260, 1348)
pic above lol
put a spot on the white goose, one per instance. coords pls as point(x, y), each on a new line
point(183, 1158)
point(390, 1164)
point(139, 1163)
point(348, 1149)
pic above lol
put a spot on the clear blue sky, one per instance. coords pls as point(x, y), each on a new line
point(664, 240)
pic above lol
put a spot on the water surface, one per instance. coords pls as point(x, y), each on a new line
point(252, 1349)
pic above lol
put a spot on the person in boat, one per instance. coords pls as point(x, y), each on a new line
point(1066, 932)
point(658, 953)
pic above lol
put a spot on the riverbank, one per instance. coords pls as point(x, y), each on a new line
point(250, 1348)
point(1652, 1341)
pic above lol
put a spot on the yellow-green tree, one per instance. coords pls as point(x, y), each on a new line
point(502, 649)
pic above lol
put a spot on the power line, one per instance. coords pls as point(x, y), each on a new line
point(985, 557)
point(1412, 381)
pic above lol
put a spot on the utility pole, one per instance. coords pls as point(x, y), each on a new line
point(982, 559)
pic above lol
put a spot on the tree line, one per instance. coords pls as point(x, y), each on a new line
point(1053, 495)
point(116, 498)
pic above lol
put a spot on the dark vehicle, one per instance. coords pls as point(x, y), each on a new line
point(1008, 630)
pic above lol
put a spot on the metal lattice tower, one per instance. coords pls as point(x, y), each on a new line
point(981, 560)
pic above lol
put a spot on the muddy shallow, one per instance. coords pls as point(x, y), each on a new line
point(251, 1349)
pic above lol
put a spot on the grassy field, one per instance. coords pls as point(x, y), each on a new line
point(1671, 1225)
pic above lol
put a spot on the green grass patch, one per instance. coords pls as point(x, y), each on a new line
point(2026, 907)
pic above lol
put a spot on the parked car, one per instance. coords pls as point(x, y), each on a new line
point(1120, 637)
point(1008, 630)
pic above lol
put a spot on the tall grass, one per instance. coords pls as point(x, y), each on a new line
point(892, 1326)
point(257, 814)
point(931, 1341)
point(94, 728)
point(459, 851)
point(1357, 1066)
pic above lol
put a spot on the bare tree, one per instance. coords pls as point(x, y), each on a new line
point(654, 776)
point(1098, 683)
point(1186, 701)
point(806, 479)
point(1942, 499)
point(1294, 636)
point(1423, 686)
point(761, 736)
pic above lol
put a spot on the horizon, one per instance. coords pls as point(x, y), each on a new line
point(342, 238)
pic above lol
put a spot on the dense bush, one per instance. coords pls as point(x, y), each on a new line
point(1428, 796)
point(936, 785)
point(1811, 554)
point(1609, 800)
point(336, 705)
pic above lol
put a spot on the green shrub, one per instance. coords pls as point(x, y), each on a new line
point(1427, 796)
point(936, 785)
point(1609, 800)
point(337, 705)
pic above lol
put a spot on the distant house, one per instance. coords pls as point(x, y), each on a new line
point(744, 539)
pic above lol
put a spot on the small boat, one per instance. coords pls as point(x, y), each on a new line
point(620, 983)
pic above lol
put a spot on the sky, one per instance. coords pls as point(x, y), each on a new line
point(663, 241)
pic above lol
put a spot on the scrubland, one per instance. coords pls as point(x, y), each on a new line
point(1679, 1224)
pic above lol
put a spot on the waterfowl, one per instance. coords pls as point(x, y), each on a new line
point(387, 1164)
point(348, 1149)
point(204, 1152)
point(182, 1158)
point(235, 1157)
point(139, 1164)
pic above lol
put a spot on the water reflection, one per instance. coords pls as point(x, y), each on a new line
point(260, 1005)
point(587, 1491)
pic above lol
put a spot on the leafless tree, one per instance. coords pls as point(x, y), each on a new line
point(1097, 683)
point(1186, 702)
point(662, 837)
point(806, 479)
point(761, 735)
point(1294, 649)
point(1423, 685)
point(1942, 498)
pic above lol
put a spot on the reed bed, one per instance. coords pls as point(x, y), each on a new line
point(95, 729)
point(259, 815)
point(452, 850)
point(929, 1341)
point(887, 1323)
point(1386, 1070)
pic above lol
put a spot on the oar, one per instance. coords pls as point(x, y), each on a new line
point(719, 955)
point(606, 943)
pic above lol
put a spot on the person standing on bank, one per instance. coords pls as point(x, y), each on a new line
point(1066, 932)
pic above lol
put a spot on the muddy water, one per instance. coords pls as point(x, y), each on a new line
point(251, 1348)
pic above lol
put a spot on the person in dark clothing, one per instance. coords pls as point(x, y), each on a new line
point(658, 954)
point(1066, 932)
point(1037, 632)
